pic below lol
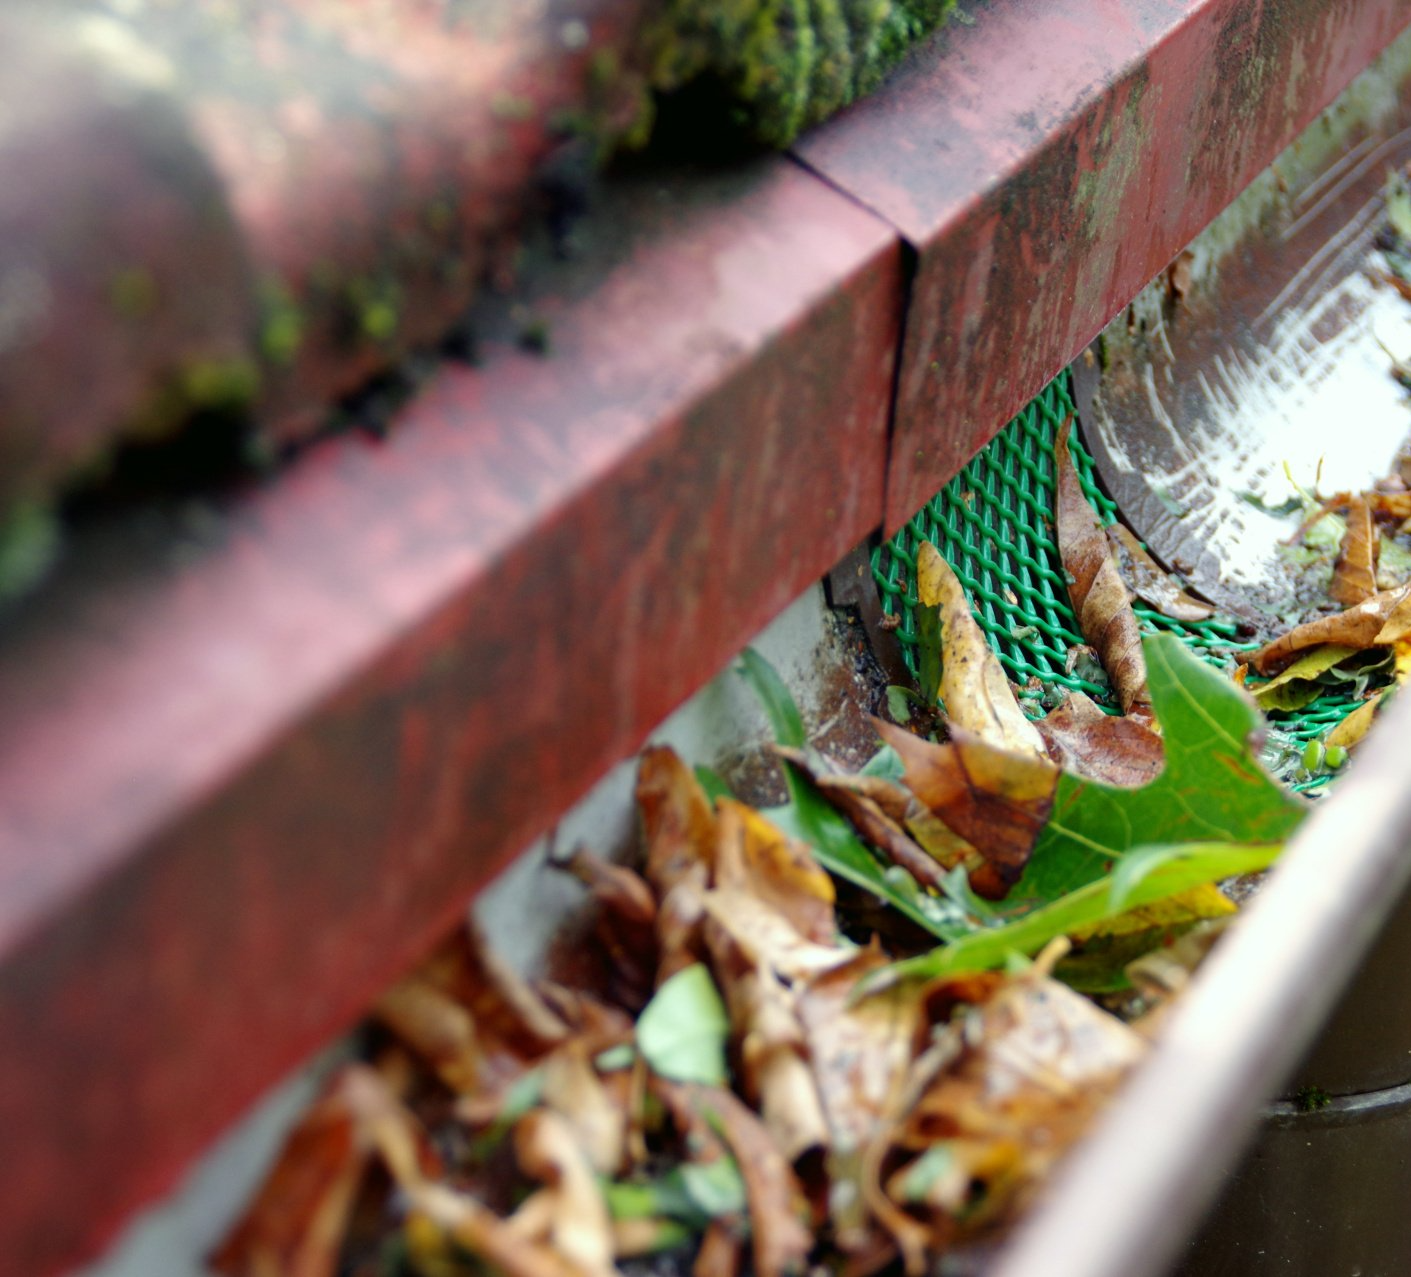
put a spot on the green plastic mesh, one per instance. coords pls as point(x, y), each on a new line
point(993, 524)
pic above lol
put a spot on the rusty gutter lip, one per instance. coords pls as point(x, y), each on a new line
point(134, 871)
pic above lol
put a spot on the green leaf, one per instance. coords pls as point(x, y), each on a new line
point(681, 1033)
point(929, 657)
point(1152, 874)
point(784, 718)
point(812, 819)
point(615, 1058)
point(1212, 788)
point(1296, 686)
point(712, 782)
point(693, 1193)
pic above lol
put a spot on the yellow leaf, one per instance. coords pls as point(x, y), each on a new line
point(1195, 905)
point(973, 684)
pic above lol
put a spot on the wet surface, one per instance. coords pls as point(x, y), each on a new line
point(1274, 372)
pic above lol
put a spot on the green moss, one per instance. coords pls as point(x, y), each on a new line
point(1312, 1098)
point(375, 308)
point(787, 64)
point(220, 383)
point(29, 543)
point(281, 324)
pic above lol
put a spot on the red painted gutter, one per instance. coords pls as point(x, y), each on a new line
point(247, 774)
point(256, 755)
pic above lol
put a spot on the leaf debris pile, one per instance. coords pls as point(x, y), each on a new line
point(760, 1085)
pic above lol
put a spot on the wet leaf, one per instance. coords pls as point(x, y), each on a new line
point(809, 817)
point(1297, 685)
point(1149, 581)
point(976, 692)
point(1097, 746)
point(1212, 788)
point(996, 801)
point(1152, 874)
point(682, 1031)
point(1355, 572)
point(1381, 619)
point(1100, 599)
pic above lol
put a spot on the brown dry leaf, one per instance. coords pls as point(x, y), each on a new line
point(472, 1018)
point(1161, 975)
point(569, 1210)
point(625, 923)
point(597, 1117)
point(781, 1242)
point(861, 799)
point(1355, 726)
point(1102, 747)
point(997, 801)
point(772, 1051)
point(765, 937)
point(678, 825)
point(1379, 620)
point(443, 1225)
point(722, 1251)
point(974, 688)
point(296, 1225)
point(860, 1049)
point(778, 871)
point(1099, 597)
point(1148, 580)
point(1355, 573)
point(1008, 1088)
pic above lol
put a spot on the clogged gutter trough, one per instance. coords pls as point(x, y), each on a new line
point(257, 755)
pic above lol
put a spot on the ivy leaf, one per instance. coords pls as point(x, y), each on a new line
point(811, 818)
point(1212, 788)
point(682, 1031)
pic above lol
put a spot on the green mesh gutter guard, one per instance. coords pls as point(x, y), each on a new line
point(993, 523)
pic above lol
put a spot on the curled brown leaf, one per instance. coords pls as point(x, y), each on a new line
point(295, 1226)
point(1100, 599)
point(1102, 747)
point(1355, 572)
point(678, 826)
point(997, 801)
point(1380, 620)
point(781, 1241)
point(861, 799)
